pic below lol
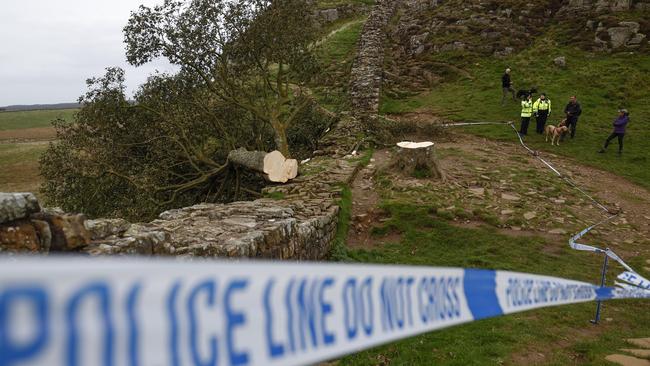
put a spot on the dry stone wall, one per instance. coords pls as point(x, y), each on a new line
point(366, 76)
point(300, 225)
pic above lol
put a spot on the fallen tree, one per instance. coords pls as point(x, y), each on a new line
point(273, 166)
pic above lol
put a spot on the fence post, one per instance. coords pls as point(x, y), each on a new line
point(602, 284)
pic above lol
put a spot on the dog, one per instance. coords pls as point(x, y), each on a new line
point(523, 93)
point(555, 132)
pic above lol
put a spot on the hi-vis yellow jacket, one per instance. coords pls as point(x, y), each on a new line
point(526, 108)
point(542, 105)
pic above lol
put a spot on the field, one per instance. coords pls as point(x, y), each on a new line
point(32, 119)
point(24, 136)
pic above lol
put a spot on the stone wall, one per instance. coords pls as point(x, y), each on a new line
point(366, 76)
point(301, 224)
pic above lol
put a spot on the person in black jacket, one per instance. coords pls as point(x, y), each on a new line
point(572, 111)
point(506, 86)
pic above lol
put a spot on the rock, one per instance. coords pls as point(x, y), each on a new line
point(15, 206)
point(103, 228)
point(557, 231)
point(44, 234)
point(639, 342)
point(68, 231)
point(417, 43)
point(626, 34)
point(505, 52)
point(510, 197)
point(619, 36)
point(621, 5)
point(507, 212)
point(516, 228)
point(145, 243)
point(636, 39)
point(626, 360)
point(530, 215)
point(633, 26)
point(329, 15)
point(477, 191)
point(560, 62)
point(19, 236)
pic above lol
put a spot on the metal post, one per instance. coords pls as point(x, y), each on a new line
point(602, 284)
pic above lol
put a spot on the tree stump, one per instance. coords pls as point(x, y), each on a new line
point(418, 159)
point(273, 166)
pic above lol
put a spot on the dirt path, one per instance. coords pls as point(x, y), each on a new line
point(365, 203)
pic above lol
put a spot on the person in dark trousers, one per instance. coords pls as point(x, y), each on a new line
point(526, 112)
point(572, 111)
point(620, 123)
point(541, 110)
point(506, 86)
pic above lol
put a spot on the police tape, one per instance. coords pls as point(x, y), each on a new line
point(128, 311)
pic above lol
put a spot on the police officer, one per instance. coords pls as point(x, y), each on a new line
point(526, 113)
point(541, 109)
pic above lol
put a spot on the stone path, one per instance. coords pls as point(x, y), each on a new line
point(640, 356)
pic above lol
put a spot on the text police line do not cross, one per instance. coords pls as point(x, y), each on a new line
point(160, 312)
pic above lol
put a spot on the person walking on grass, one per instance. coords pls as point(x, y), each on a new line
point(541, 109)
point(572, 111)
point(506, 86)
point(526, 113)
point(620, 123)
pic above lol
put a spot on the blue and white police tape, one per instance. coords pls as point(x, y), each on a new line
point(127, 311)
point(635, 279)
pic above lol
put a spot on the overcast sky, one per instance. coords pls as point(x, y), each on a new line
point(48, 48)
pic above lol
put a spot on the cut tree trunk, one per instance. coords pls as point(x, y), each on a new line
point(273, 166)
point(418, 159)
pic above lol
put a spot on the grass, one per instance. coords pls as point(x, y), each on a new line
point(562, 334)
point(32, 119)
point(336, 54)
point(602, 82)
point(338, 251)
point(341, 41)
point(19, 170)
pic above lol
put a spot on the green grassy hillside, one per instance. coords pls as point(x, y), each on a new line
point(602, 82)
